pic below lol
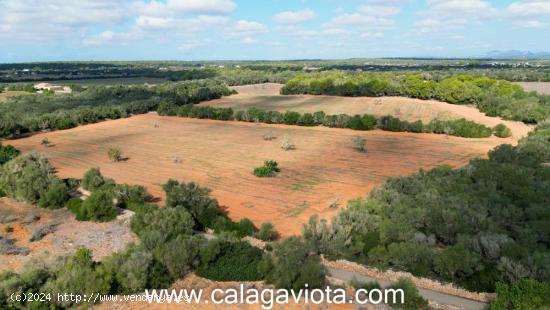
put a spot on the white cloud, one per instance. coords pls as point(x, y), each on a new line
point(210, 7)
point(357, 19)
point(528, 14)
point(372, 35)
point(53, 19)
point(379, 10)
point(249, 41)
point(294, 17)
point(528, 8)
point(244, 28)
point(464, 8)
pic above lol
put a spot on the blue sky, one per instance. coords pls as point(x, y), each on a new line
point(39, 30)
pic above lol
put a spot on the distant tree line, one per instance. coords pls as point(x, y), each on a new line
point(28, 114)
point(478, 225)
point(459, 127)
point(493, 97)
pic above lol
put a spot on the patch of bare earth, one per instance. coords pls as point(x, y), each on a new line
point(267, 96)
point(221, 155)
point(64, 233)
point(539, 87)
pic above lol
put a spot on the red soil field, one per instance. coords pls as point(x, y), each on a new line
point(221, 155)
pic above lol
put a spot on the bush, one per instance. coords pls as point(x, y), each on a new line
point(99, 207)
point(502, 131)
point(287, 144)
point(79, 275)
point(359, 143)
point(158, 226)
point(93, 180)
point(292, 265)
point(55, 197)
point(193, 198)
point(269, 169)
point(525, 294)
point(230, 261)
point(291, 117)
point(27, 178)
point(267, 232)
point(128, 195)
point(412, 299)
point(114, 155)
point(7, 153)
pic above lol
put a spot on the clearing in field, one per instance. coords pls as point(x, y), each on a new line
point(5, 95)
point(323, 168)
point(539, 87)
point(267, 97)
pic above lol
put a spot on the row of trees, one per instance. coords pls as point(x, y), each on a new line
point(460, 127)
point(491, 96)
point(474, 226)
point(27, 114)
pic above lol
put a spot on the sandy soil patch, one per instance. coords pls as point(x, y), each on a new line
point(221, 155)
point(539, 87)
point(267, 96)
point(102, 238)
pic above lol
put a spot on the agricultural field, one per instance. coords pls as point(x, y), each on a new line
point(539, 87)
point(267, 97)
point(323, 170)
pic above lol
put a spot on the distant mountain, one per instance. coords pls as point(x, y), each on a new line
point(515, 54)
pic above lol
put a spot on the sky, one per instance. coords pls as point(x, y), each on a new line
point(56, 30)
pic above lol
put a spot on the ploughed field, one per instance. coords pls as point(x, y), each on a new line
point(267, 97)
point(221, 155)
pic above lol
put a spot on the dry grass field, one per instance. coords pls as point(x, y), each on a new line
point(266, 96)
point(5, 95)
point(221, 155)
point(539, 87)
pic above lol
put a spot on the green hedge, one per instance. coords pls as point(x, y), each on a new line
point(460, 127)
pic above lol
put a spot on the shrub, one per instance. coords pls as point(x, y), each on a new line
point(293, 264)
point(502, 131)
point(27, 178)
point(127, 195)
point(74, 205)
point(55, 197)
point(79, 275)
point(267, 232)
point(359, 143)
point(130, 269)
point(269, 169)
point(180, 255)
point(306, 120)
point(157, 226)
point(412, 299)
point(45, 142)
point(230, 261)
point(268, 136)
point(193, 198)
point(365, 122)
point(291, 117)
point(287, 144)
point(114, 155)
point(525, 294)
point(7, 153)
point(99, 207)
point(93, 180)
